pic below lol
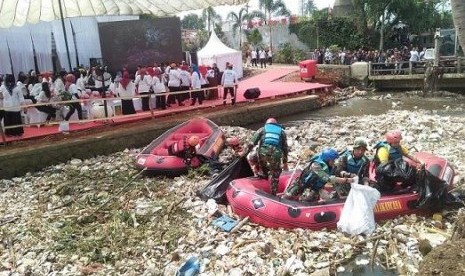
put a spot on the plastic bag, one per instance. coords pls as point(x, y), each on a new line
point(432, 191)
point(216, 188)
point(357, 216)
point(190, 268)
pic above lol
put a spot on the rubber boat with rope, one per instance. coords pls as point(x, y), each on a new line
point(156, 158)
point(250, 197)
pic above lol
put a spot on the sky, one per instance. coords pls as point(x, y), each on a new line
point(292, 5)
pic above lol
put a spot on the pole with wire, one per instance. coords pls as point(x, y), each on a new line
point(64, 34)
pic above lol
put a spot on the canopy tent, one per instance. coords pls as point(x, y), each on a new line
point(216, 52)
point(20, 12)
point(19, 44)
point(17, 13)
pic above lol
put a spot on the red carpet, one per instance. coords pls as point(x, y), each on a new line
point(268, 83)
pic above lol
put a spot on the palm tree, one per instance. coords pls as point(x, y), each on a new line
point(237, 19)
point(308, 7)
point(210, 16)
point(458, 14)
point(273, 7)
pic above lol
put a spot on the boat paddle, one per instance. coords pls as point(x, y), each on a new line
point(290, 178)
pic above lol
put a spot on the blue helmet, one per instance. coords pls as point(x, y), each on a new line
point(329, 154)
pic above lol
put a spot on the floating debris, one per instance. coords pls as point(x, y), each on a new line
point(80, 218)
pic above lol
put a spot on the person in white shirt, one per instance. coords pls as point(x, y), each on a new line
point(72, 89)
point(262, 55)
point(174, 85)
point(159, 89)
point(229, 83)
point(185, 77)
point(253, 55)
point(126, 89)
point(59, 83)
point(12, 100)
point(196, 85)
point(45, 96)
point(144, 83)
point(414, 57)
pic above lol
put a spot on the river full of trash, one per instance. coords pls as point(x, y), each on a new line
point(99, 216)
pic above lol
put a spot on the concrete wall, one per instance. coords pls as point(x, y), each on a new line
point(16, 161)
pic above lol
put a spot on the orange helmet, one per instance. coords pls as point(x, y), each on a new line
point(271, 121)
point(233, 141)
point(393, 136)
point(193, 141)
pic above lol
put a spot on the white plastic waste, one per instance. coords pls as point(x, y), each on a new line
point(357, 216)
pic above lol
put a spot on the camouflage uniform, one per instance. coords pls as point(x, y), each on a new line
point(270, 156)
point(313, 177)
point(347, 164)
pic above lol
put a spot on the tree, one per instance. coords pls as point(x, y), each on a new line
point(210, 17)
point(273, 7)
point(458, 14)
point(254, 37)
point(237, 19)
point(193, 22)
point(308, 7)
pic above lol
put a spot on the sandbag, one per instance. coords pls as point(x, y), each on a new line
point(357, 215)
point(216, 188)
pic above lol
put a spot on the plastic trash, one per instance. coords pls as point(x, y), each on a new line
point(226, 223)
point(190, 268)
point(212, 206)
point(357, 216)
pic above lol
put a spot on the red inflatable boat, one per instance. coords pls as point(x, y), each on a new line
point(249, 197)
point(156, 159)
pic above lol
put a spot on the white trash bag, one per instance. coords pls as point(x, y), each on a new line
point(357, 216)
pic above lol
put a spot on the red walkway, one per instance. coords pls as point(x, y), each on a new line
point(268, 83)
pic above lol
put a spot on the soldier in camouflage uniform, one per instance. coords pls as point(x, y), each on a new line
point(272, 149)
point(353, 163)
point(315, 176)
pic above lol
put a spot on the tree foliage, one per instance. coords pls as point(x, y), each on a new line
point(364, 26)
point(289, 55)
point(192, 22)
point(254, 37)
point(210, 17)
point(316, 33)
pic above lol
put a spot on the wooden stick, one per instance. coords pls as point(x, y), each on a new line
point(371, 239)
point(239, 225)
point(372, 259)
point(438, 231)
point(9, 221)
point(242, 243)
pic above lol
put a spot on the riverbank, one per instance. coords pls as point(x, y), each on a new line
point(82, 216)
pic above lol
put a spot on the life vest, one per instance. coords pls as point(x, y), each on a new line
point(310, 179)
point(394, 153)
point(272, 135)
point(177, 148)
point(354, 165)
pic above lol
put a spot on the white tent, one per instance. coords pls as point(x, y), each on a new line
point(216, 52)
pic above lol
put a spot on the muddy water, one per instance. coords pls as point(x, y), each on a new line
point(376, 106)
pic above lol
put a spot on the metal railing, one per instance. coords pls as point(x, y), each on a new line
point(89, 101)
point(452, 65)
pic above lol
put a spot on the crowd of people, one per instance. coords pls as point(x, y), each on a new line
point(394, 58)
point(171, 84)
point(267, 155)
